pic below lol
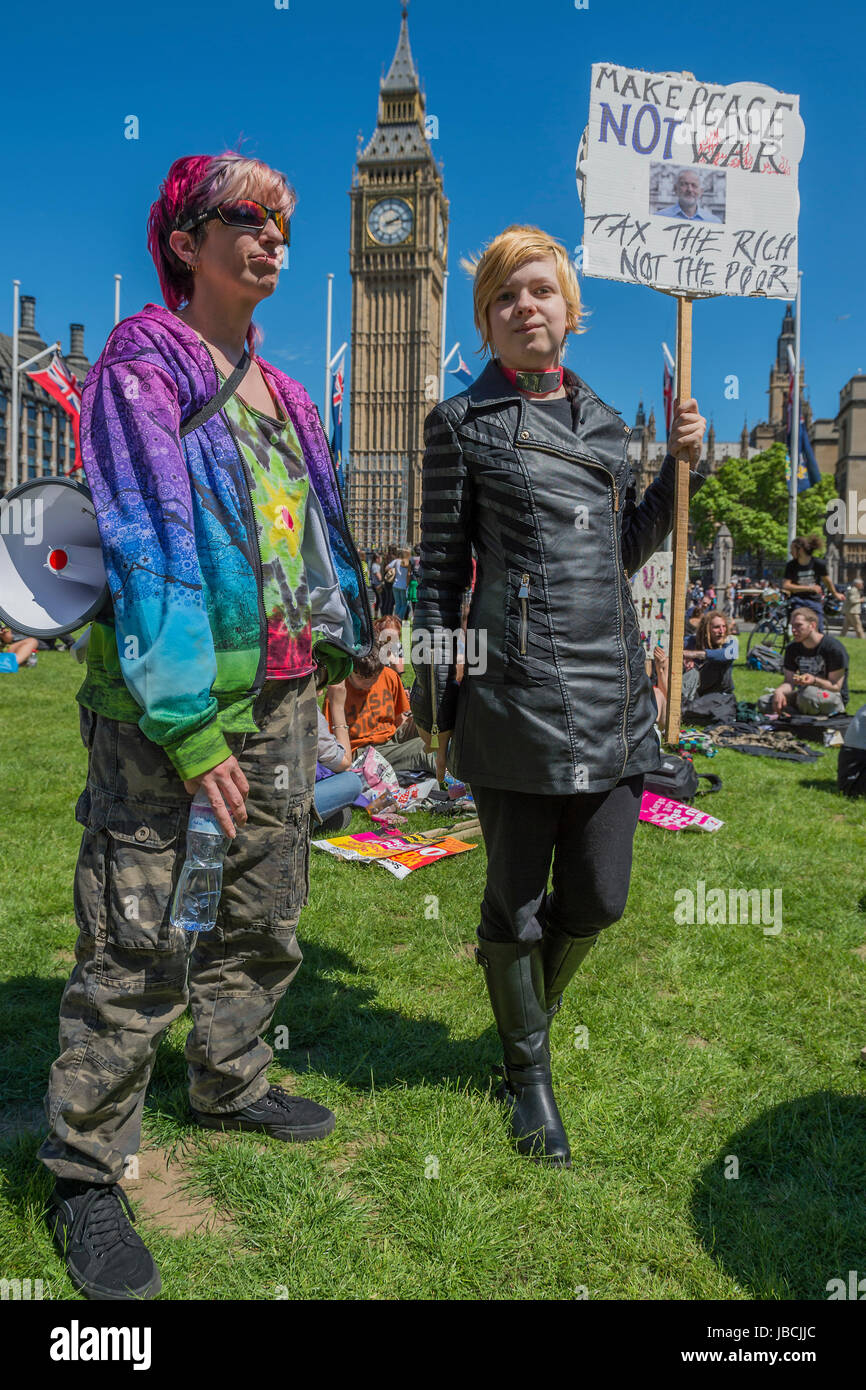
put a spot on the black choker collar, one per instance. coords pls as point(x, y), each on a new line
point(541, 383)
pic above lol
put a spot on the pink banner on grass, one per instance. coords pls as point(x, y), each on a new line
point(675, 815)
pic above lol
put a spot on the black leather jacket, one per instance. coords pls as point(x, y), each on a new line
point(563, 703)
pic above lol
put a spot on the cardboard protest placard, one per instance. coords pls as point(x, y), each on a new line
point(675, 815)
point(690, 187)
point(366, 844)
point(397, 853)
point(419, 856)
point(651, 591)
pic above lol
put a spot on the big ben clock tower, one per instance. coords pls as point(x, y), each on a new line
point(397, 260)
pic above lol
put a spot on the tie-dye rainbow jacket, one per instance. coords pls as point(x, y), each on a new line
point(181, 647)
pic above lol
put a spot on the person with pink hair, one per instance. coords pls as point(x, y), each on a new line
point(233, 577)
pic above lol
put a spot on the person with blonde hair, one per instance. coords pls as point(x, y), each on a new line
point(553, 729)
point(709, 654)
point(232, 576)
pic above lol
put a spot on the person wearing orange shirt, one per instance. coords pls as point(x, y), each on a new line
point(376, 711)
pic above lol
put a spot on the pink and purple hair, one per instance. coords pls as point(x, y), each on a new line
point(199, 181)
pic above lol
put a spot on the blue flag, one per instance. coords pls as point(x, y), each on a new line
point(808, 472)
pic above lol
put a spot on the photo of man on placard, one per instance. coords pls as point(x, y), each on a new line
point(699, 198)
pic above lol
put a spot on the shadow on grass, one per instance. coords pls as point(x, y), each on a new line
point(29, 1006)
point(794, 1217)
point(340, 1029)
point(819, 784)
point(333, 1027)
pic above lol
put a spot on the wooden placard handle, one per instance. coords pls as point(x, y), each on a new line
point(680, 535)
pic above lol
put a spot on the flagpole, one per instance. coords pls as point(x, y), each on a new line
point(52, 348)
point(450, 355)
point(328, 357)
point(442, 338)
point(795, 425)
point(117, 280)
point(13, 464)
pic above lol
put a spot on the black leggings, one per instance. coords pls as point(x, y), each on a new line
point(587, 835)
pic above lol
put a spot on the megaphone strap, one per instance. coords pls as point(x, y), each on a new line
point(226, 391)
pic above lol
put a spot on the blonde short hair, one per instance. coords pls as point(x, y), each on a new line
point(505, 254)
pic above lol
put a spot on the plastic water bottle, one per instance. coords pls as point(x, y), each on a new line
point(197, 895)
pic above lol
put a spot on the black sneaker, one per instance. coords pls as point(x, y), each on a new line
point(104, 1256)
point(291, 1118)
point(339, 821)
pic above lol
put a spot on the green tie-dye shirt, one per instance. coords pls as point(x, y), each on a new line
point(279, 486)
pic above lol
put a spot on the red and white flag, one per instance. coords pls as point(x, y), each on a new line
point(62, 384)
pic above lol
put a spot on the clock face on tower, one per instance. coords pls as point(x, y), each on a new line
point(440, 236)
point(390, 221)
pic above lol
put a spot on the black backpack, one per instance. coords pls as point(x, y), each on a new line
point(677, 779)
point(851, 771)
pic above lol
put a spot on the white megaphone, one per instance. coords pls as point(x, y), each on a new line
point(52, 578)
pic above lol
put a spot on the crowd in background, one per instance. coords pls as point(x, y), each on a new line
point(393, 576)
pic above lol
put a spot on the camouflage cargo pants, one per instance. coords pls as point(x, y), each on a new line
point(135, 973)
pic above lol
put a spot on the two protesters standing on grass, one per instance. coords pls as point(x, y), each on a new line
point(529, 468)
point(232, 575)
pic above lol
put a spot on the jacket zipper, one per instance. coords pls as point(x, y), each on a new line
point(546, 449)
point(590, 463)
point(523, 595)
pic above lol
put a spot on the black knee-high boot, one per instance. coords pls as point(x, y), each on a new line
point(515, 983)
point(561, 956)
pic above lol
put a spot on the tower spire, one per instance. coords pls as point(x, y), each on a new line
point(402, 74)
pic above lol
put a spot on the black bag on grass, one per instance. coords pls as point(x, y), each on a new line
point(716, 707)
point(677, 779)
point(851, 771)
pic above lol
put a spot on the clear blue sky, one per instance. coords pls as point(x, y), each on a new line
point(509, 83)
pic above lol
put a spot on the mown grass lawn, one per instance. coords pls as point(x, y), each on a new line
point(712, 1051)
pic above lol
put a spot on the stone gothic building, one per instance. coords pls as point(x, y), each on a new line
point(839, 445)
point(46, 443)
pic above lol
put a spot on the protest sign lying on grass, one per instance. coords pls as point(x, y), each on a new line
point(675, 815)
point(399, 854)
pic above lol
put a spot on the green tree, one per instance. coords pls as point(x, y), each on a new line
point(751, 497)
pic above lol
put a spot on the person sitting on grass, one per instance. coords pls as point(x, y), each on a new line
point(708, 658)
point(337, 786)
point(387, 636)
point(22, 647)
point(696, 611)
point(815, 669)
point(376, 710)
